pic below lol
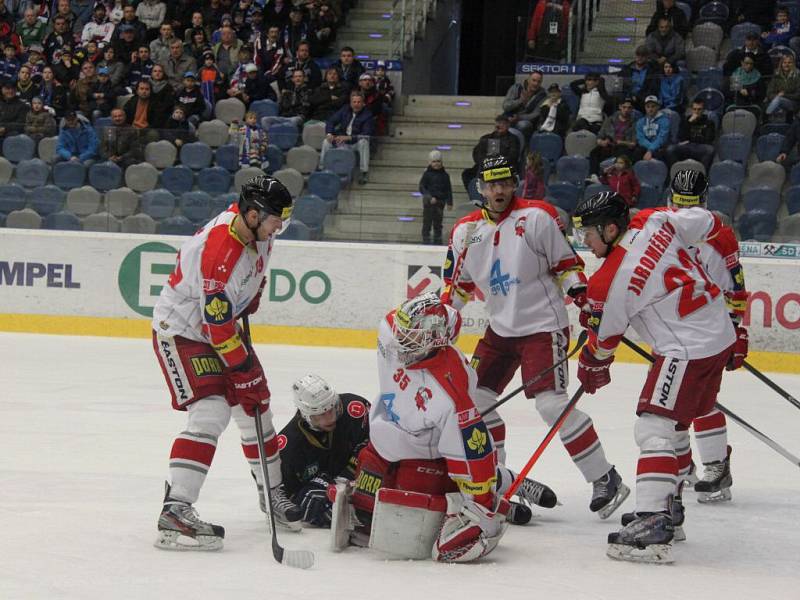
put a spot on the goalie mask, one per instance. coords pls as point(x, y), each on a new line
point(420, 327)
point(313, 397)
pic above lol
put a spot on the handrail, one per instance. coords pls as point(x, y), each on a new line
point(409, 20)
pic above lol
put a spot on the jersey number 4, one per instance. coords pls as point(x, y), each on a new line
point(675, 277)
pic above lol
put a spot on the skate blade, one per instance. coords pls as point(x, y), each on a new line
point(293, 526)
point(652, 554)
point(679, 535)
point(723, 495)
point(176, 541)
point(623, 491)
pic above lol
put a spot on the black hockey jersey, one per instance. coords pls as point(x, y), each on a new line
point(306, 453)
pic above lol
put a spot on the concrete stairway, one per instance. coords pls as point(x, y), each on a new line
point(368, 29)
point(618, 28)
point(388, 208)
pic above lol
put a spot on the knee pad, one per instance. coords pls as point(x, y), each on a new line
point(653, 432)
point(209, 415)
point(549, 404)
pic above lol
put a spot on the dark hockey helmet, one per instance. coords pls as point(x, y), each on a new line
point(598, 211)
point(688, 188)
point(496, 167)
point(266, 195)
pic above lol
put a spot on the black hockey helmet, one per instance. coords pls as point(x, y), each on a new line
point(598, 211)
point(266, 195)
point(496, 167)
point(688, 188)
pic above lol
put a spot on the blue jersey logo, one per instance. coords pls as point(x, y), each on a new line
point(388, 401)
point(501, 282)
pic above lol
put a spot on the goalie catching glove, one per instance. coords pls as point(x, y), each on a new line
point(470, 531)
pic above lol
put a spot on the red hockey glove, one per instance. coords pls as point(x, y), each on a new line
point(252, 308)
point(739, 352)
point(579, 299)
point(247, 387)
point(593, 373)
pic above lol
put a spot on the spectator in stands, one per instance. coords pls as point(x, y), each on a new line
point(39, 123)
point(63, 10)
point(152, 14)
point(591, 92)
point(57, 38)
point(83, 12)
point(695, 137)
point(26, 87)
point(177, 129)
point(748, 11)
point(159, 47)
point(237, 77)
point(77, 140)
point(783, 92)
point(225, 21)
point(31, 30)
point(621, 179)
point(226, 52)
point(436, 194)
point(533, 183)
point(13, 111)
point(329, 97)
point(666, 9)
point(294, 104)
point(641, 77)
point(350, 68)
point(191, 98)
point(304, 62)
point(65, 70)
point(747, 85)
point(116, 70)
point(177, 64)
point(212, 80)
point(139, 29)
point(271, 53)
point(120, 142)
point(552, 115)
point(199, 44)
point(672, 88)
point(162, 95)
point(141, 68)
point(82, 90)
point(665, 44)
point(277, 13)
point(9, 65)
point(252, 141)
point(652, 132)
point(54, 95)
point(546, 38)
point(116, 11)
point(353, 126)
point(127, 44)
point(522, 99)
point(781, 31)
point(617, 136)
point(383, 83)
point(197, 23)
point(36, 62)
point(499, 141)
point(789, 142)
point(89, 51)
point(324, 24)
point(752, 47)
point(296, 30)
point(376, 102)
point(141, 111)
point(98, 29)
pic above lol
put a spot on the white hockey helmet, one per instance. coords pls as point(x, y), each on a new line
point(313, 396)
point(420, 327)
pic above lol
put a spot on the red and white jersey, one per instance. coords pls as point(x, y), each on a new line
point(653, 281)
point(720, 259)
point(215, 278)
point(522, 265)
point(426, 411)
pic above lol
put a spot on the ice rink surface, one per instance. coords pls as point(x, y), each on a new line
point(86, 430)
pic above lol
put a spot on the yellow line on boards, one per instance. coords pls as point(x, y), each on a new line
point(781, 362)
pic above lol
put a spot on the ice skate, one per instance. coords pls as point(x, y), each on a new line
point(715, 486)
point(608, 493)
point(519, 514)
point(645, 539)
point(180, 528)
point(287, 514)
point(533, 492)
point(677, 519)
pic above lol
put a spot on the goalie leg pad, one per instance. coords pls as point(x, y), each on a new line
point(343, 517)
point(469, 532)
point(405, 524)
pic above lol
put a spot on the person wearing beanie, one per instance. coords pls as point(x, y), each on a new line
point(436, 193)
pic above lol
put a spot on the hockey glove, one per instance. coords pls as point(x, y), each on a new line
point(314, 502)
point(247, 387)
point(579, 299)
point(469, 531)
point(252, 308)
point(593, 373)
point(739, 351)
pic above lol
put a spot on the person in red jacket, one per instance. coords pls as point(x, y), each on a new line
point(621, 179)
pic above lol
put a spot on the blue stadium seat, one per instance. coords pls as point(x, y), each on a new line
point(687, 10)
point(296, 230)
point(325, 184)
point(734, 146)
point(714, 99)
point(650, 197)
point(722, 199)
point(762, 199)
point(739, 33)
point(728, 173)
point(32, 173)
point(274, 159)
point(69, 174)
point(265, 108)
point(714, 12)
point(595, 188)
point(12, 197)
point(283, 135)
point(782, 128)
point(227, 157)
point(674, 124)
point(769, 146)
point(17, 148)
point(63, 221)
point(756, 225)
point(158, 203)
point(196, 206)
point(196, 155)
point(710, 78)
point(312, 211)
point(793, 199)
point(102, 122)
point(222, 202)
point(549, 145)
point(176, 226)
point(564, 195)
point(341, 161)
point(573, 169)
point(573, 102)
point(214, 181)
point(177, 180)
point(651, 172)
point(105, 176)
point(47, 199)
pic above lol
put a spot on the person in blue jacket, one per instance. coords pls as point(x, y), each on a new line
point(672, 88)
point(781, 32)
point(77, 140)
point(652, 132)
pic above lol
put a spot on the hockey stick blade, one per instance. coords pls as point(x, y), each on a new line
point(578, 345)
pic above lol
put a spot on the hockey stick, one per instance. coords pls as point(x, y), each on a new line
point(540, 449)
point(775, 387)
point(300, 559)
point(578, 345)
point(763, 437)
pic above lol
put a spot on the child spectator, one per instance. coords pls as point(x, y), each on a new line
point(383, 84)
point(9, 65)
point(252, 141)
point(436, 193)
point(178, 130)
point(781, 31)
point(191, 98)
point(39, 122)
point(103, 95)
point(672, 89)
point(212, 80)
point(621, 179)
point(534, 182)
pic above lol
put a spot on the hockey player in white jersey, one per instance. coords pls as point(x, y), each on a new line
point(514, 253)
point(211, 371)
point(650, 280)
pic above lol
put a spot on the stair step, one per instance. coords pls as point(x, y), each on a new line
point(453, 165)
point(441, 133)
point(367, 25)
point(479, 102)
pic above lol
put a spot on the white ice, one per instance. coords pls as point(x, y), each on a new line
point(86, 430)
